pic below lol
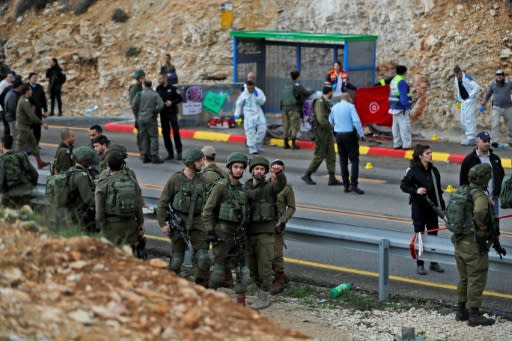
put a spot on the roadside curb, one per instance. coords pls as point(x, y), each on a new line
point(127, 127)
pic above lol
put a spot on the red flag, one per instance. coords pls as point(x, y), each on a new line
point(372, 105)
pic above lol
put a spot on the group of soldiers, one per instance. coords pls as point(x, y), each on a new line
point(203, 205)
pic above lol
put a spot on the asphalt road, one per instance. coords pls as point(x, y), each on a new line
point(383, 206)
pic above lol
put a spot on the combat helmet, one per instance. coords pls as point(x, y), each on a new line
point(480, 174)
point(192, 155)
point(236, 157)
point(258, 161)
point(138, 73)
point(119, 148)
point(84, 154)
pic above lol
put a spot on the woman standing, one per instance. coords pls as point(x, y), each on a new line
point(55, 78)
point(422, 181)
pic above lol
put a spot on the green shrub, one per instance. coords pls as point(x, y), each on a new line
point(82, 6)
point(119, 15)
point(131, 52)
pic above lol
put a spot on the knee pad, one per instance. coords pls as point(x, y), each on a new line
point(176, 262)
point(203, 259)
point(245, 276)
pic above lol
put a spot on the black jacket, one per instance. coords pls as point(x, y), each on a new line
point(497, 170)
point(417, 176)
point(55, 78)
point(38, 99)
point(169, 93)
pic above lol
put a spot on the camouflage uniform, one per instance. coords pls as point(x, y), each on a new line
point(135, 90)
point(213, 173)
point(285, 210)
point(16, 188)
point(25, 118)
point(120, 230)
point(292, 113)
point(178, 192)
point(63, 158)
point(82, 207)
point(225, 213)
point(147, 106)
point(260, 228)
point(324, 138)
point(471, 253)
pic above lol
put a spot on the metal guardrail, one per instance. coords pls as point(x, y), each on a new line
point(385, 243)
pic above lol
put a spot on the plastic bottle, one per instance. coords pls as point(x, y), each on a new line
point(91, 110)
point(341, 289)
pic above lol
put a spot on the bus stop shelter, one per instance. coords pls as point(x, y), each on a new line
point(273, 54)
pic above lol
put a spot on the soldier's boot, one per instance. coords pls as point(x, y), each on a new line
point(263, 300)
point(228, 279)
point(204, 280)
point(307, 179)
point(240, 299)
point(286, 145)
point(41, 163)
point(462, 313)
point(278, 283)
point(179, 156)
point(333, 181)
point(475, 318)
point(294, 144)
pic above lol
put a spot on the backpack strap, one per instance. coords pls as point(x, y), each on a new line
point(434, 180)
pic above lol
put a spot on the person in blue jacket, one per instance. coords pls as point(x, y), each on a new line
point(400, 109)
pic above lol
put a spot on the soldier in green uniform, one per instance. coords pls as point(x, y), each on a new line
point(262, 197)
point(118, 203)
point(101, 146)
point(224, 215)
point(324, 138)
point(25, 118)
point(81, 187)
point(185, 191)
point(63, 157)
point(167, 67)
point(134, 90)
point(148, 105)
point(285, 210)
point(117, 148)
point(293, 96)
point(17, 176)
point(471, 253)
point(211, 172)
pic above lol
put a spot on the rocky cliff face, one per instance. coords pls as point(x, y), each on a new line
point(428, 36)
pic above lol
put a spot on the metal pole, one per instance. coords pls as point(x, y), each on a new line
point(383, 269)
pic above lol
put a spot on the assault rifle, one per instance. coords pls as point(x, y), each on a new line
point(436, 209)
point(494, 239)
point(176, 223)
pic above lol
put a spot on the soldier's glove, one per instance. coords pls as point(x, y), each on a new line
point(212, 236)
point(280, 227)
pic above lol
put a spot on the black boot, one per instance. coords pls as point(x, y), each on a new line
point(333, 181)
point(294, 145)
point(307, 179)
point(476, 318)
point(462, 313)
point(286, 145)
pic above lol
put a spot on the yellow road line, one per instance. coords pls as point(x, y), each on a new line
point(159, 238)
point(395, 278)
point(64, 127)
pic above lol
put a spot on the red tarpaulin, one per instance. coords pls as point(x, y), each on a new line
point(372, 105)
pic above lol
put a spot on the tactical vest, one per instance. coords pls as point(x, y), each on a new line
point(14, 170)
point(288, 98)
point(233, 210)
point(183, 198)
point(393, 89)
point(122, 196)
point(263, 211)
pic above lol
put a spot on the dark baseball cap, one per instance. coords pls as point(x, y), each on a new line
point(484, 136)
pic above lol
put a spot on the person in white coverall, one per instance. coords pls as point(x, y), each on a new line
point(467, 91)
point(255, 124)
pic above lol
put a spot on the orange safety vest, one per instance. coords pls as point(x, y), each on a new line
point(333, 76)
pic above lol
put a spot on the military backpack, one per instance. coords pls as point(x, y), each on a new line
point(506, 192)
point(122, 198)
point(459, 211)
point(59, 188)
point(288, 95)
point(15, 171)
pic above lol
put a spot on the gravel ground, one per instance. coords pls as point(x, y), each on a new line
point(320, 319)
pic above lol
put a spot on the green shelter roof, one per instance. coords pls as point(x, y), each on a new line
point(281, 35)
